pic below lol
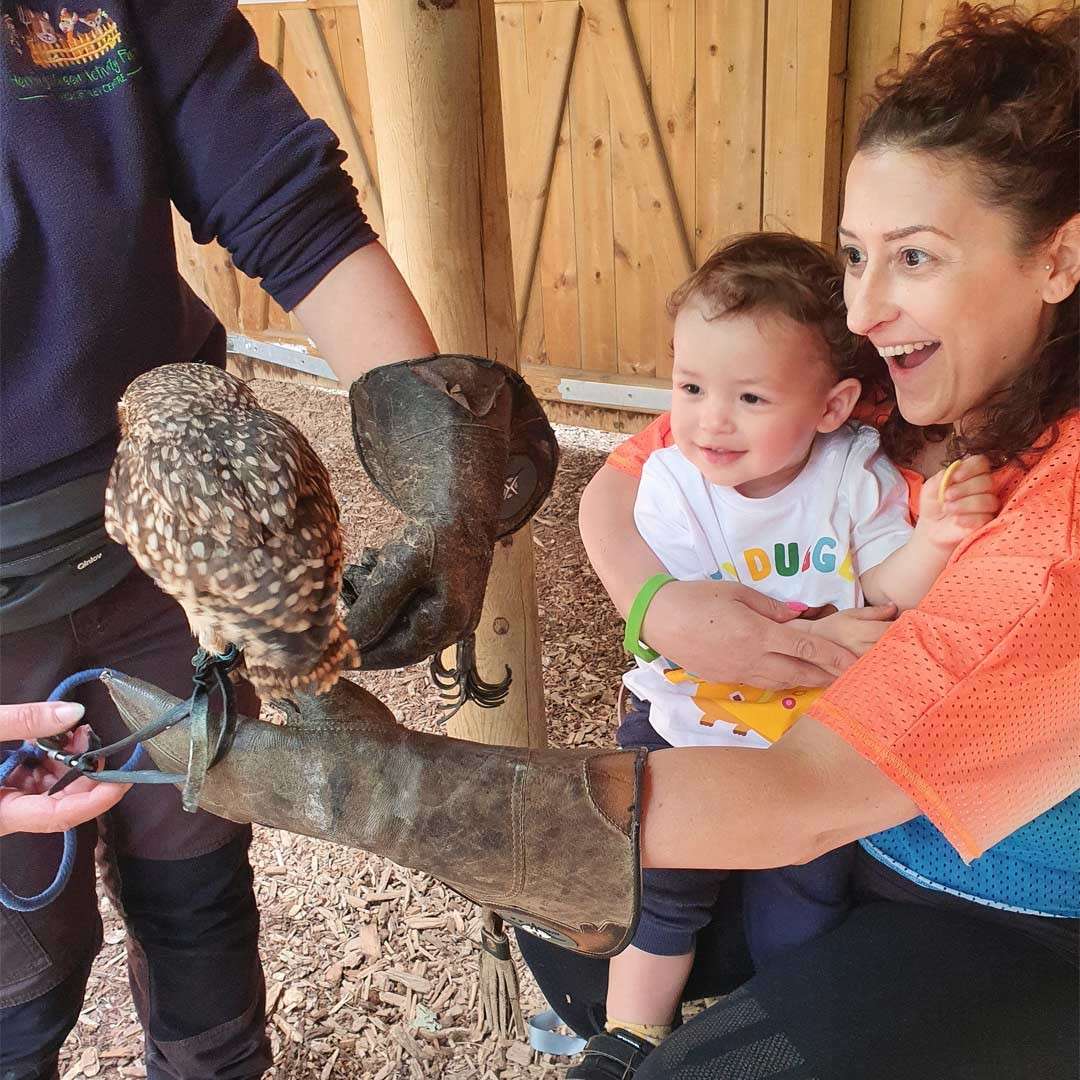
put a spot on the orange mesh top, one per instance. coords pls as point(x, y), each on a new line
point(971, 702)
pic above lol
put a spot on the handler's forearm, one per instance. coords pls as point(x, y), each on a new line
point(362, 314)
point(738, 809)
point(621, 559)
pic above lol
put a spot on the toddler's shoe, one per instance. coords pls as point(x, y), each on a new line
point(611, 1055)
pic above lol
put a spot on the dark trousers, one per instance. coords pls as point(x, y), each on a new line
point(781, 908)
point(900, 990)
point(182, 881)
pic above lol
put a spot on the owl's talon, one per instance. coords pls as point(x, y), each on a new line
point(204, 662)
point(462, 682)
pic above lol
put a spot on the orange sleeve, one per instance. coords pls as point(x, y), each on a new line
point(971, 702)
point(629, 456)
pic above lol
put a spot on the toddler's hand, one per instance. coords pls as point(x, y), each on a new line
point(856, 629)
point(967, 502)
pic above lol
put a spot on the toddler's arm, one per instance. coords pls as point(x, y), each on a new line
point(739, 635)
point(945, 519)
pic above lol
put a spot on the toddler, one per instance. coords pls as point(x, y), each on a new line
point(771, 484)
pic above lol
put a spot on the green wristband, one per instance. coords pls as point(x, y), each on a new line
point(632, 642)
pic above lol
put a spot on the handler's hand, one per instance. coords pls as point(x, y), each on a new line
point(25, 805)
point(727, 632)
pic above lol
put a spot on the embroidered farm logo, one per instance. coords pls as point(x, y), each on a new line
point(82, 55)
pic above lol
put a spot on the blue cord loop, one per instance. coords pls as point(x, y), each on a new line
point(208, 670)
point(29, 755)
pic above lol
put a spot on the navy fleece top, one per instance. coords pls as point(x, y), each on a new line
point(106, 116)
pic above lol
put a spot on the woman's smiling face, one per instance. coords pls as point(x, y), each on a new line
point(935, 280)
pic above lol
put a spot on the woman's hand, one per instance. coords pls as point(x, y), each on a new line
point(721, 631)
point(25, 802)
point(726, 632)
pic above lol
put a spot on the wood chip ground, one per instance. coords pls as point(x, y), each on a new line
point(371, 969)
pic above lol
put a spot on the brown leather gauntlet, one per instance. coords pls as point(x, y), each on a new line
point(548, 838)
point(461, 446)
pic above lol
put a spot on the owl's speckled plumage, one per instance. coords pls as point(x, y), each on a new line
point(227, 507)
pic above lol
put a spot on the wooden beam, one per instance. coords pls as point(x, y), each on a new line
point(873, 48)
point(594, 241)
point(608, 24)
point(804, 110)
point(730, 108)
point(921, 23)
point(434, 82)
point(547, 35)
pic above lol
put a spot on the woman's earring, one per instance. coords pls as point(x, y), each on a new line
point(1047, 267)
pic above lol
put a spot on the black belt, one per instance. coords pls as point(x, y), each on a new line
point(56, 556)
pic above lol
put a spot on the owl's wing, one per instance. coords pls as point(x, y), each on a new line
point(121, 499)
point(236, 482)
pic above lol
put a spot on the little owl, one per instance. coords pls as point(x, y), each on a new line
point(227, 507)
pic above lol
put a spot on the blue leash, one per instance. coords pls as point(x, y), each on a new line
point(211, 673)
point(30, 754)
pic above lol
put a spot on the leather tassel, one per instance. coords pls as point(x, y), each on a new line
point(499, 999)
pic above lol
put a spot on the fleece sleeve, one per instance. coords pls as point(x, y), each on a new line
point(246, 166)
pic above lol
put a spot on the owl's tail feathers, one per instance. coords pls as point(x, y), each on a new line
point(340, 654)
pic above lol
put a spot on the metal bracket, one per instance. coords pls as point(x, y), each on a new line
point(295, 357)
point(615, 395)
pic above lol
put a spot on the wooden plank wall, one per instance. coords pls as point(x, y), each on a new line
point(639, 133)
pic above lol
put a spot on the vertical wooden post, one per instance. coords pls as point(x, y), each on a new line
point(806, 51)
point(434, 82)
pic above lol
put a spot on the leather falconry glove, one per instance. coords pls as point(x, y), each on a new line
point(462, 447)
point(547, 838)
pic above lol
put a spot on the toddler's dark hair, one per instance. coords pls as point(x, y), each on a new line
point(779, 273)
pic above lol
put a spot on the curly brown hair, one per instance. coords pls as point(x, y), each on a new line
point(780, 273)
point(998, 92)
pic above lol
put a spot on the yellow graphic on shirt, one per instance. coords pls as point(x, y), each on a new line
point(768, 712)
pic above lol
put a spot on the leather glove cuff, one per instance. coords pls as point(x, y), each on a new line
point(427, 432)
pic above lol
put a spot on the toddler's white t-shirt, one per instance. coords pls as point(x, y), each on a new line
point(843, 514)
